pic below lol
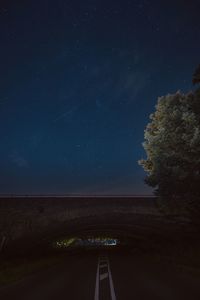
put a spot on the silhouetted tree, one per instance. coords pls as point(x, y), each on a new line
point(196, 76)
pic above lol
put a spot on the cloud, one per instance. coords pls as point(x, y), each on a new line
point(132, 83)
point(19, 160)
point(122, 77)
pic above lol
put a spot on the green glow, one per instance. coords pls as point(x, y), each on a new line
point(86, 242)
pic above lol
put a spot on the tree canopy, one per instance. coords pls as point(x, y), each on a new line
point(172, 145)
point(196, 76)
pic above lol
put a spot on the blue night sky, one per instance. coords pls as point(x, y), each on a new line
point(78, 82)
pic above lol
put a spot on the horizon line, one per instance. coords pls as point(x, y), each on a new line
point(75, 195)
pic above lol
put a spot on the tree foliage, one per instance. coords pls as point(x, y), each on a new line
point(172, 145)
point(196, 76)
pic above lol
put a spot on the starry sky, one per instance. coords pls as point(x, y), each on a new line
point(78, 82)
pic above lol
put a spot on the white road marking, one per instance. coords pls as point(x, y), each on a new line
point(103, 266)
point(112, 291)
point(103, 276)
point(103, 258)
point(96, 296)
point(3, 241)
point(104, 262)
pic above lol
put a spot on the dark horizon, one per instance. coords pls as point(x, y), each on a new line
point(76, 195)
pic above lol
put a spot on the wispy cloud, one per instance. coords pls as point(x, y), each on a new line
point(18, 160)
point(132, 83)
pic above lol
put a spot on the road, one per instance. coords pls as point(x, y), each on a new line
point(106, 276)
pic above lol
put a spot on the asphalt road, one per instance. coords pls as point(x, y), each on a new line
point(106, 276)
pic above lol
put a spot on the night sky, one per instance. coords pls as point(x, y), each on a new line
point(78, 82)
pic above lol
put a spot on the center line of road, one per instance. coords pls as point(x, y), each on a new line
point(103, 276)
point(103, 262)
point(112, 291)
point(103, 265)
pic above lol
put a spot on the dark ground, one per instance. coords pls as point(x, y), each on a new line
point(138, 272)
